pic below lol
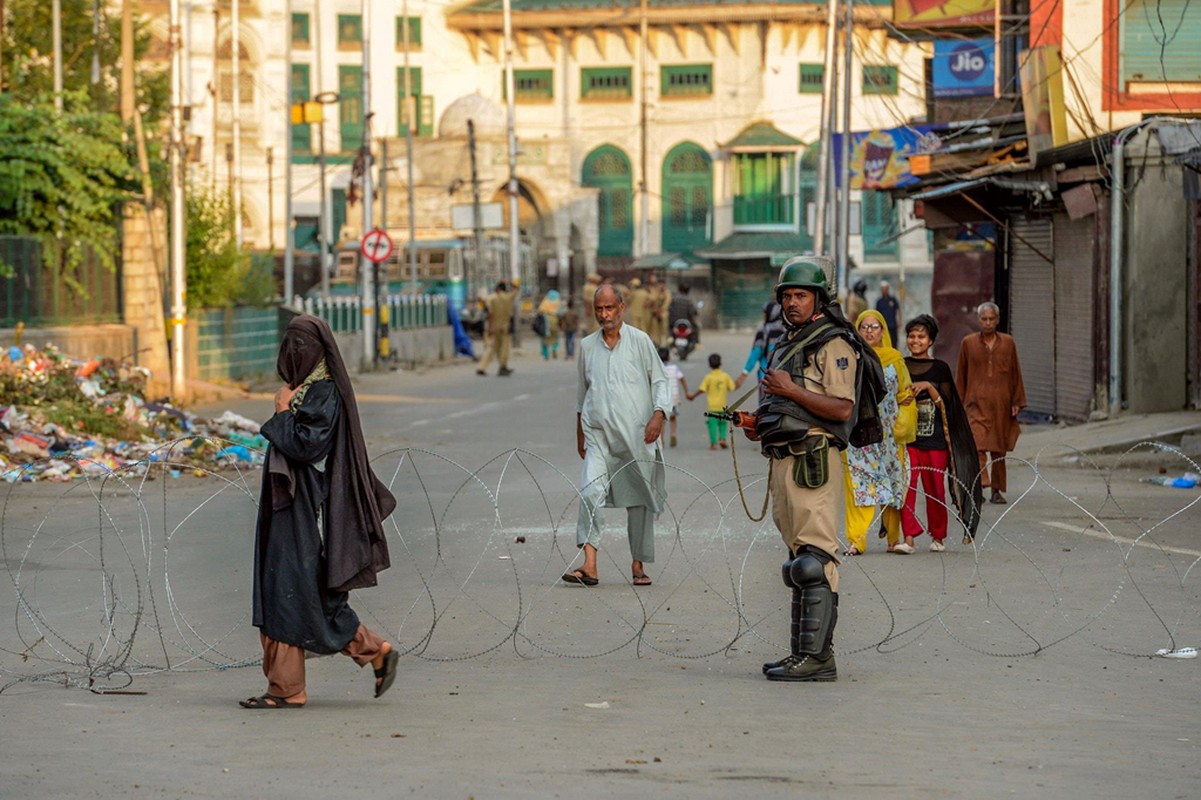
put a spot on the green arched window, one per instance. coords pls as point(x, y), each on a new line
point(607, 168)
point(687, 198)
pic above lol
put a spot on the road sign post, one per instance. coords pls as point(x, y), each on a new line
point(376, 246)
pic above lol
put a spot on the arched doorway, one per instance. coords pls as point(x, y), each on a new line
point(607, 168)
point(687, 198)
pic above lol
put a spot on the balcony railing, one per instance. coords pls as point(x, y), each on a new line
point(765, 209)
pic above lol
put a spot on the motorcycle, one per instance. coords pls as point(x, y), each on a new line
point(684, 337)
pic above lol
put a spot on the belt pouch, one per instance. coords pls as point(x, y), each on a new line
point(811, 469)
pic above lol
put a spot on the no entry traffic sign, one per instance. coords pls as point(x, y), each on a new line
point(377, 246)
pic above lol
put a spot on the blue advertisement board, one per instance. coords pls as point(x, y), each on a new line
point(964, 68)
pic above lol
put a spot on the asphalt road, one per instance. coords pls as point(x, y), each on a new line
point(1022, 666)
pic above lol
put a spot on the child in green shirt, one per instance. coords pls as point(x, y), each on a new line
point(717, 385)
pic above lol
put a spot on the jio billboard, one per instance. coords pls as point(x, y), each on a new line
point(964, 68)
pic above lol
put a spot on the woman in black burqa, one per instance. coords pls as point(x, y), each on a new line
point(320, 526)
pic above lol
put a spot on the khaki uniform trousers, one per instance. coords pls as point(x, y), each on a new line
point(809, 516)
point(498, 346)
point(283, 664)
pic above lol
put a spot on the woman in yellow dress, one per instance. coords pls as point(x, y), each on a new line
point(876, 476)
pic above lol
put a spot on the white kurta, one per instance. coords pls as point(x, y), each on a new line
point(619, 389)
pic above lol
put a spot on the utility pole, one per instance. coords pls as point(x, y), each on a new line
point(842, 252)
point(2, 23)
point(179, 309)
point(323, 235)
point(826, 157)
point(127, 96)
point(511, 113)
point(477, 222)
point(270, 200)
point(289, 236)
point(383, 182)
point(56, 35)
point(411, 113)
point(645, 232)
point(95, 77)
point(215, 93)
point(236, 116)
point(368, 209)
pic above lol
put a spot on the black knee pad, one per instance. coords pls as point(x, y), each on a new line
point(808, 568)
point(786, 574)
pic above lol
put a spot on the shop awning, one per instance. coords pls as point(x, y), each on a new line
point(667, 261)
point(778, 246)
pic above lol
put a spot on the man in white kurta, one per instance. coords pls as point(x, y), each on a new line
point(622, 401)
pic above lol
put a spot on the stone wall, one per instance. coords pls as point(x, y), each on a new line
point(143, 275)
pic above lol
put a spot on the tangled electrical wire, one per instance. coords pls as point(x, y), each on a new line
point(135, 572)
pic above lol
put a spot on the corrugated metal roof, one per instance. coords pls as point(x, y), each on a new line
point(666, 261)
point(775, 245)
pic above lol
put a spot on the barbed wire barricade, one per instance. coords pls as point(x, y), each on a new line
point(148, 568)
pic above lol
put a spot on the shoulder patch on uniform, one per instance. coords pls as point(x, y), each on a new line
point(842, 362)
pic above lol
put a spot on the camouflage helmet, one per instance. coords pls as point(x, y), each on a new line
point(806, 272)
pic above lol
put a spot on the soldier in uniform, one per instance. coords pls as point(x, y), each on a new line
point(638, 306)
point(806, 417)
point(660, 301)
point(497, 332)
point(590, 285)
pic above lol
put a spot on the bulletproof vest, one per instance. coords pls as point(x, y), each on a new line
point(779, 420)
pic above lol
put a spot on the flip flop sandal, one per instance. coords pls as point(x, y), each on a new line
point(267, 702)
point(642, 580)
point(387, 673)
point(580, 577)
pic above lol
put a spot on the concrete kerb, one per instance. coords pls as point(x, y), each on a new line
point(1109, 436)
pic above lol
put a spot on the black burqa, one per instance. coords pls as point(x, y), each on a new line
point(963, 478)
point(320, 526)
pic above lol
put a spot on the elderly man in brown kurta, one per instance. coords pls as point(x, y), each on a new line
point(989, 380)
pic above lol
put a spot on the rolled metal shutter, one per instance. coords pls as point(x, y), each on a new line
point(1075, 386)
point(1032, 310)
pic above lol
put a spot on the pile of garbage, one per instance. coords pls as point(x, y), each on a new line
point(62, 418)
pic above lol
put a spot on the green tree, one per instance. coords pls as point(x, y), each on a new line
point(62, 177)
point(219, 272)
point(28, 56)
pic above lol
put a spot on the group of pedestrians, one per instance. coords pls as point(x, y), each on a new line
point(940, 423)
point(834, 396)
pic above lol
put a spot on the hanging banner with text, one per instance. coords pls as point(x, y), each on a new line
point(880, 159)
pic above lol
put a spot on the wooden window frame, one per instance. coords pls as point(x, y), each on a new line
point(876, 87)
point(305, 21)
point(350, 44)
point(811, 69)
point(1115, 96)
point(529, 95)
point(606, 94)
point(415, 33)
point(670, 87)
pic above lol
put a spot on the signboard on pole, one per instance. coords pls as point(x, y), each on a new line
point(377, 246)
point(462, 216)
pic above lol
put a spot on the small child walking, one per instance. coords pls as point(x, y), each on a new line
point(717, 386)
point(675, 379)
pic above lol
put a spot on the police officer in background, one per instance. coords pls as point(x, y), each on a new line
point(806, 417)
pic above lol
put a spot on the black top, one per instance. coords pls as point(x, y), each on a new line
point(930, 433)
